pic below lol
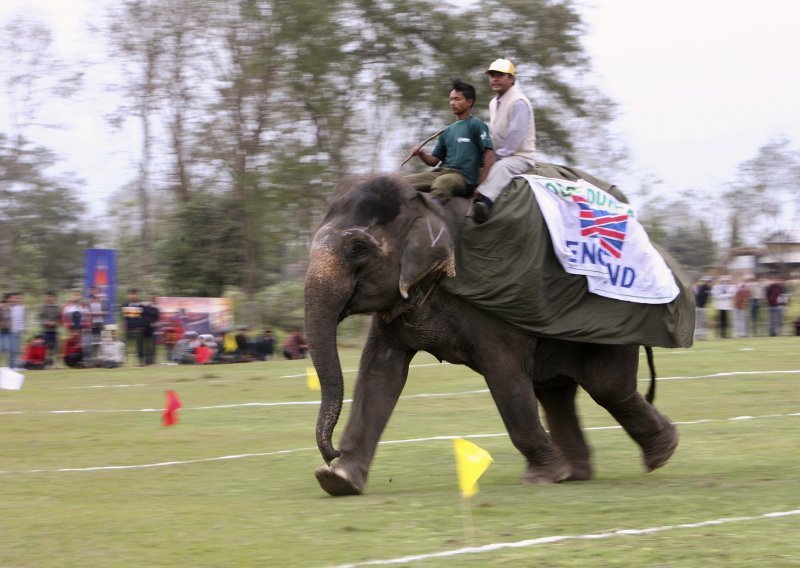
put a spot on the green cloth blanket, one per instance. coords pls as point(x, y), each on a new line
point(507, 267)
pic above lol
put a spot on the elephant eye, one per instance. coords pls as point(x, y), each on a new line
point(358, 250)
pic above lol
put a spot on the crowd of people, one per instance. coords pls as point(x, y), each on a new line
point(734, 307)
point(204, 348)
point(76, 335)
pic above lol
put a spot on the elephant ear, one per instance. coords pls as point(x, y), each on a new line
point(428, 248)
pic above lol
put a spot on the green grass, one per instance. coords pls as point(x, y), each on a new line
point(259, 508)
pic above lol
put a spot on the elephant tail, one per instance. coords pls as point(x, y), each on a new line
point(651, 391)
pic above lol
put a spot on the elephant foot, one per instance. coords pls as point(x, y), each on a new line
point(554, 472)
point(580, 473)
point(337, 481)
point(658, 454)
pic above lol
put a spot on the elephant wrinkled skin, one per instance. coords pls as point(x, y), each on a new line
point(381, 248)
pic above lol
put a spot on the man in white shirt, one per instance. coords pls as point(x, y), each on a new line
point(513, 132)
point(112, 351)
point(17, 316)
point(723, 293)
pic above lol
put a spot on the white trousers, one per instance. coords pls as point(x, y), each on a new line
point(740, 322)
point(501, 173)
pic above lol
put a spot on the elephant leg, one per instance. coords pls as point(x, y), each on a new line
point(653, 431)
point(513, 394)
point(565, 428)
point(381, 377)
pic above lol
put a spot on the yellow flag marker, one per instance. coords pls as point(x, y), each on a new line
point(471, 462)
point(312, 380)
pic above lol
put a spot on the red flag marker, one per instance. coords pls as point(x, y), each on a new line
point(170, 417)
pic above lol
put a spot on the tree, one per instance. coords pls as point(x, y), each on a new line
point(137, 40)
point(40, 220)
point(676, 226)
point(203, 252)
point(42, 242)
point(764, 186)
point(736, 237)
point(183, 25)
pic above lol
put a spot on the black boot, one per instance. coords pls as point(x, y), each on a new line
point(481, 210)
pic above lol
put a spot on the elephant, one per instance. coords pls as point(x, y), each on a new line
point(382, 248)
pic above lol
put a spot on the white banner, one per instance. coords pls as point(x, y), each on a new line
point(599, 237)
point(10, 379)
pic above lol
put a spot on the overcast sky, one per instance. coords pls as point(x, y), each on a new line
point(700, 84)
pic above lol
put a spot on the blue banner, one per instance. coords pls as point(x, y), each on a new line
point(100, 273)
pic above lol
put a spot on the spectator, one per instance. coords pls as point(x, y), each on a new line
point(204, 353)
point(172, 331)
point(112, 353)
point(184, 348)
point(210, 341)
point(756, 297)
point(49, 318)
point(73, 350)
point(741, 307)
point(219, 350)
point(229, 345)
point(150, 317)
point(17, 318)
point(75, 316)
point(97, 315)
point(777, 299)
point(132, 315)
point(702, 291)
point(295, 346)
point(35, 356)
point(5, 324)
point(723, 293)
point(243, 345)
point(263, 346)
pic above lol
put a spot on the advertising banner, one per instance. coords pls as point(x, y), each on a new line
point(100, 271)
point(595, 235)
point(203, 315)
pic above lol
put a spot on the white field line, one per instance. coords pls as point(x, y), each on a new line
point(384, 443)
point(348, 401)
point(236, 405)
point(485, 548)
point(100, 387)
point(728, 374)
point(303, 375)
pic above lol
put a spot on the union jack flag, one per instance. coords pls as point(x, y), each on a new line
point(608, 228)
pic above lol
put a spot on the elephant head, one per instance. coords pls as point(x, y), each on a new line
point(378, 239)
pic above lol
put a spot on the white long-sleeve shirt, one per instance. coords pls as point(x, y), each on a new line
point(723, 294)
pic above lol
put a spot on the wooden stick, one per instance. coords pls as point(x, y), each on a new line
point(428, 139)
point(466, 521)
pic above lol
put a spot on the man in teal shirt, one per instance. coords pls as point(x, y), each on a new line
point(463, 154)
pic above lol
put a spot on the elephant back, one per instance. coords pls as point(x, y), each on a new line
point(508, 268)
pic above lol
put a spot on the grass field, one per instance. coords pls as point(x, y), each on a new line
point(89, 477)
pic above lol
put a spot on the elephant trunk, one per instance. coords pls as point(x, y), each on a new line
point(326, 294)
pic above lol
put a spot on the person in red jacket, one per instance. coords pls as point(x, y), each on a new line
point(35, 356)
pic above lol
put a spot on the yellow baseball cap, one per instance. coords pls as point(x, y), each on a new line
point(501, 66)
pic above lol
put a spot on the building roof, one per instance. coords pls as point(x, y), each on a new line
point(788, 236)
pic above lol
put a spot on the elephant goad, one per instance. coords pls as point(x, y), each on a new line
point(383, 248)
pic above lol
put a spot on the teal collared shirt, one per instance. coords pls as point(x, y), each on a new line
point(461, 147)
